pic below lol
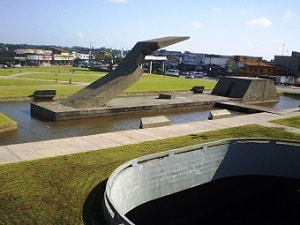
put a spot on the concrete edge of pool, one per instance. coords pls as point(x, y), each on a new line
point(154, 176)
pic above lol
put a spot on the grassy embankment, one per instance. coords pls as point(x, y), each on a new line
point(7, 123)
point(55, 190)
point(292, 122)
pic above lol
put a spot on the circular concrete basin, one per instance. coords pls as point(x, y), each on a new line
point(154, 176)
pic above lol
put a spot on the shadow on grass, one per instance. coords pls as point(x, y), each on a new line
point(92, 213)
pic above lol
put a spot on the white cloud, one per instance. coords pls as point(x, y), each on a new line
point(261, 22)
point(196, 24)
point(289, 14)
point(118, 1)
point(80, 35)
point(216, 10)
point(242, 12)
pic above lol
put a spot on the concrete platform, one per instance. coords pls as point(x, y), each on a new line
point(219, 113)
point(154, 121)
point(251, 108)
point(55, 111)
point(65, 146)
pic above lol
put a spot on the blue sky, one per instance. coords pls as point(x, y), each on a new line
point(229, 27)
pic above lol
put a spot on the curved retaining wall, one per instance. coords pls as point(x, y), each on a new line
point(153, 176)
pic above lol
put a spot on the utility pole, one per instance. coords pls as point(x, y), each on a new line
point(90, 55)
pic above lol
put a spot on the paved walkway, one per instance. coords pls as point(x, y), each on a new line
point(65, 146)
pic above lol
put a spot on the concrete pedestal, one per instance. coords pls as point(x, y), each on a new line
point(154, 121)
point(55, 111)
point(220, 113)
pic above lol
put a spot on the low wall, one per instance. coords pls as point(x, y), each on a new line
point(154, 176)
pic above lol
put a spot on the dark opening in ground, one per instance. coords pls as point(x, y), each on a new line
point(246, 200)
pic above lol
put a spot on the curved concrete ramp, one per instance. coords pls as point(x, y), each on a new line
point(154, 176)
point(115, 82)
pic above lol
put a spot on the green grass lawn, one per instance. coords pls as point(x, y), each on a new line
point(31, 79)
point(167, 83)
point(54, 190)
point(292, 121)
point(13, 93)
point(49, 70)
point(84, 78)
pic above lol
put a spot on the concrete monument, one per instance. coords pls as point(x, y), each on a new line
point(127, 73)
point(91, 100)
point(248, 89)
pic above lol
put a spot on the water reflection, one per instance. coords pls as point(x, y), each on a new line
point(285, 102)
point(31, 129)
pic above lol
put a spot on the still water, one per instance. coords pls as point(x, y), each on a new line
point(31, 129)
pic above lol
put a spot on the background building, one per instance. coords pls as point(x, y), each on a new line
point(291, 63)
point(33, 57)
point(249, 66)
point(283, 69)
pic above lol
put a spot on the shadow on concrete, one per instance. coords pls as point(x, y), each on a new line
point(243, 200)
point(92, 212)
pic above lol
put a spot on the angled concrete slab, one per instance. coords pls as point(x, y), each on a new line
point(115, 82)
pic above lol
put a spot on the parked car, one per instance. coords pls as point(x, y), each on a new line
point(3, 66)
point(189, 76)
point(172, 72)
point(196, 74)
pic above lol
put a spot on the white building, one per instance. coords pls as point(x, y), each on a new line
point(33, 57)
